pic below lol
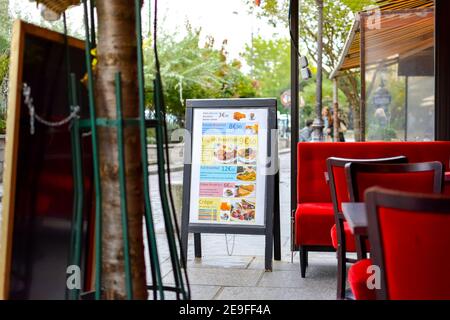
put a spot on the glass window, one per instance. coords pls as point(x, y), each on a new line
point(399, 75)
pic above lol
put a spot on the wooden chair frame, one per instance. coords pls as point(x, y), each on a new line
point(341, 252)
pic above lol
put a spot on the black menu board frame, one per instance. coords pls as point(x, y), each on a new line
point(236, 111)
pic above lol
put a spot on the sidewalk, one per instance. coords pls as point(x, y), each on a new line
point(241, 276)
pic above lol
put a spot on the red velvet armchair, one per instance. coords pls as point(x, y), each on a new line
point(410, 241)
point(417, 177)
point(314, 216)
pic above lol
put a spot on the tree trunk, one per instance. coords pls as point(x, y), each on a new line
point(116, 52)
point(349, 86)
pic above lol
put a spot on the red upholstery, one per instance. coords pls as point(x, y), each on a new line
point(419, 182)
point(357, 277)
point(315, 216)
point(340, 182)
point(416, 264)
point(349, 238)
point(312, 187)
point(311, 184)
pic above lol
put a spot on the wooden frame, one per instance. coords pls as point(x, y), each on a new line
point(339, 218)
point(20, 30)
point(379, 197)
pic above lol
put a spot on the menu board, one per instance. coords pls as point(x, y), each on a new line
point(228, 181)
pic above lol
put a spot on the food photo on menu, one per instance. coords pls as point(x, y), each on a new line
point(227, 168)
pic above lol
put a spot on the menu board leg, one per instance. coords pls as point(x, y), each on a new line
point(276, 220)
point(198, 245)
point(269, 242)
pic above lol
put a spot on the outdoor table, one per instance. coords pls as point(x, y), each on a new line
point(356, 216)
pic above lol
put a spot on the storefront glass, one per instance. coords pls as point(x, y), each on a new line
point(398, 56)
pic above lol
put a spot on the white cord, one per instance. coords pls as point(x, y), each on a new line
point(232, 247)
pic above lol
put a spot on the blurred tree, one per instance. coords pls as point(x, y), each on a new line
point(190, 70)
point(270, 62)
point(5, 26)
point(338, 18)
point(5, 34)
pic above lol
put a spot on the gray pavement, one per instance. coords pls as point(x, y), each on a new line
point(241, 275)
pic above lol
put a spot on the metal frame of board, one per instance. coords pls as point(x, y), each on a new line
point(271, 228)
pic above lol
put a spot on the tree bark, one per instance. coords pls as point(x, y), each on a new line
point(349, 86)
point(116, 52)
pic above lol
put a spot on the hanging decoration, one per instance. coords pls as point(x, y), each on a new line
point(58, 6)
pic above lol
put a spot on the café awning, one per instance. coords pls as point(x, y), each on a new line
point(412, 34)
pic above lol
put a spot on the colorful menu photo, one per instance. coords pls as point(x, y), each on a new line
point(225, 169)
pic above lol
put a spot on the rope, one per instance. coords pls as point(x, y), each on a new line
point(34, 116)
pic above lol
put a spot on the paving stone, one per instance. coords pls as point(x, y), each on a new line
point(320, 277)
point(197, 293)
point(241, 276)
point(258, 264)
point(260, 293)
point(227, 262)
point(220, 277)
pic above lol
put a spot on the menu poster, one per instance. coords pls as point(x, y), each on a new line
point(228, 184)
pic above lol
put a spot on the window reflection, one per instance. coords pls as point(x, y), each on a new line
point(399, 76)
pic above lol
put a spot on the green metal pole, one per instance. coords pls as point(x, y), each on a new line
point(123, 187)
point(163, 192)
point(151, 236)
point(160, 136)
point(97, 185)
point(70, 294)
point(78, 183)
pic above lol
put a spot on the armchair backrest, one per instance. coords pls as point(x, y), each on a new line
point(425, 177)
point(311, 164)
point(409, 244)
point(337, 179)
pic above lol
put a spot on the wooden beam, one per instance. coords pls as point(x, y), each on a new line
point(442, 63)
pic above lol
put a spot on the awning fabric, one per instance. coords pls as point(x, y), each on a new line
point(399, 35)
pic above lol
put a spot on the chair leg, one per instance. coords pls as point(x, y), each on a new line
point(303, 261)
point(341, 272)
point(361, 249)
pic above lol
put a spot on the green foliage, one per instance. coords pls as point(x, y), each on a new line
point(192, 71)
point(4, 64)
point(4, 67)
point(2, 121)
point(269, 61)
point(380, 133)
point(5, 26)
point(338, 18)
